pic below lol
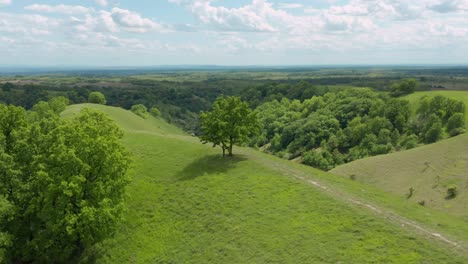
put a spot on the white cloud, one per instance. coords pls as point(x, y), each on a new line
point(102, 2)
point(290, 5)
point(62, 9)
point(5, 2)
point(246, 18)
point(131, 21)
point(24, 25)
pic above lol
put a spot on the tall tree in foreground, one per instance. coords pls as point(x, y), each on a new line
point(62, 183)
point(230, 122)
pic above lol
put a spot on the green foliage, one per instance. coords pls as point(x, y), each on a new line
point(352, 124)
point(97, 98)
point(406, 86)
point(230, 122)
point(140, 110)
point(154, 111)
point(456, 124)
point(58, 104)
point(64, 179)
point(433, 129)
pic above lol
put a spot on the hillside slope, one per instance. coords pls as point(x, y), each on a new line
point(188, 205)
point(429, 170)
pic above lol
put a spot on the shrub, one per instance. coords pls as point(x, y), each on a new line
point(456, 124)
point(422, 203)
point(451, 191)
point(97, 98)
point(410, 193)
point(433, 130)
point(140, 110)
point(155, 111)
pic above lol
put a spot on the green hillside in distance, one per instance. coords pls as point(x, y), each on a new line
point(458, 95)
point(128, 120)
point(429, 170)
point(188, 205)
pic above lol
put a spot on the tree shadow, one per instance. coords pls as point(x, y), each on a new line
point(210, 164)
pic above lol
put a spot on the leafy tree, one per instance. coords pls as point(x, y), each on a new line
point(433, 130)
point(140, 110)
point(406, 86)
point(456, 124)
point(97, 98)
point(58, 104)
point(64, 181)
point(230, 122)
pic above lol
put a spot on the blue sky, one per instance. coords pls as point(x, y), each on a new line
point(233, 32)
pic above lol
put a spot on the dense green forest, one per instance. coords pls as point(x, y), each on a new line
point(353, 123)
point(326, 117)
point(181, 95)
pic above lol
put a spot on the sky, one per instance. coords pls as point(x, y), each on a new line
point(232, 32)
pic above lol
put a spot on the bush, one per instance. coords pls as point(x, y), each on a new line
point(451, 191)
point(155, 111)
point(433, 130)
point(97, 98)
point(410, 193)
point(456, 124)
point(140, 110)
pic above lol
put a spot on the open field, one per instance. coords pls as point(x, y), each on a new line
point(186, 204)
point(429, 170)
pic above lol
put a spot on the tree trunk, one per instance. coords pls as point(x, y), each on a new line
point(230, 150)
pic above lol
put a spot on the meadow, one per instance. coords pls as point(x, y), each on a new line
point(187, 204)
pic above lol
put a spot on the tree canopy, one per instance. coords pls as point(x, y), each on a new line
point(97, 98)
point(62, 182)
point(354, 123)
point(406, 86)
point(230, 122)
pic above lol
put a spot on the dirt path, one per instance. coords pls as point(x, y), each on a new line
point(344, 196)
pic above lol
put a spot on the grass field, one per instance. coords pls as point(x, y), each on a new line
point(188, 205)
point(429, 170)
point(458, 95)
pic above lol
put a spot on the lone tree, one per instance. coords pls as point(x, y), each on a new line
point(97, 98)
point(230, 122)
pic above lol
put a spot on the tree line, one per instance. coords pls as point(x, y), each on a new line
point(339, 127)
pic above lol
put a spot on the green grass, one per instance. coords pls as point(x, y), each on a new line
point(188, 205)
point(129, 121)
point(428, 169)
point(458, 95)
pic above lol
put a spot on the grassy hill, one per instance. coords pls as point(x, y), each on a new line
point(429, 169)
point(188, 205)
point(458, 95)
